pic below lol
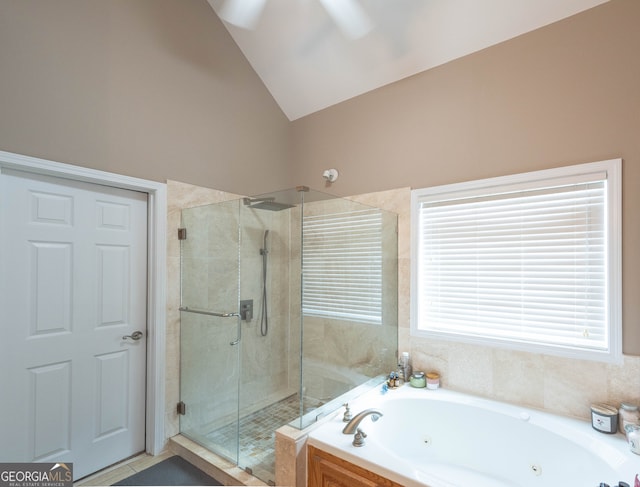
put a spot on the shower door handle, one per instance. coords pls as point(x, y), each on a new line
point(207, 312)
point(239, 337)
point(220, 315)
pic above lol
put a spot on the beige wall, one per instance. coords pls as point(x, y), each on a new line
point(565, 94)
point(148, 88)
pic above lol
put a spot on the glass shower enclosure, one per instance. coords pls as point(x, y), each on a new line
point(288, 309)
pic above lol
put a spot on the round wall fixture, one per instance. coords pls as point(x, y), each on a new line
point(330, 175)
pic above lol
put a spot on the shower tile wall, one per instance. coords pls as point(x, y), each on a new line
point(559, 385)
point(268, 372)
point(210, 273)
point(269, 363)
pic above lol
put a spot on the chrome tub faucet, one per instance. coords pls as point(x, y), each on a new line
point(352, 426)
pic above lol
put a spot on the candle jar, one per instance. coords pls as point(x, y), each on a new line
point(433, 380)
point(418, 379)
point(604, 418)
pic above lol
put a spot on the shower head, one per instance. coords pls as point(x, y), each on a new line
point(266, 204)
point(272, 206)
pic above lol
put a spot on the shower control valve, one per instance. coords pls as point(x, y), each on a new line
point(246, 309)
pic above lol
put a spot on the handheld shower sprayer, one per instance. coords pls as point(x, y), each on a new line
point(263, 250)
point(264, 317)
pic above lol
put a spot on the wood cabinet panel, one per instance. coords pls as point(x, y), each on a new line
point(326, 470)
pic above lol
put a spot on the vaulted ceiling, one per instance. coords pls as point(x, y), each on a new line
point(312, 54)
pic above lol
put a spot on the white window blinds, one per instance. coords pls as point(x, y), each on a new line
point(526, 265)
point(342, 265)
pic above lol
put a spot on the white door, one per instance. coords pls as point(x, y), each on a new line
point(73, 270)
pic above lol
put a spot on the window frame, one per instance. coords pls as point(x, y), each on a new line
point(533, 180)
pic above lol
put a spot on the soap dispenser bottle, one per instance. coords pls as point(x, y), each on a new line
point(405, 366)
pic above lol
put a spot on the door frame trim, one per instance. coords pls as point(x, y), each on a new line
point(156, 273)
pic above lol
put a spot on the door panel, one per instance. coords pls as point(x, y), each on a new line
point(113, 284)
point(73, 270)
point(50, 287)
point(50, 424)
point(112, 384)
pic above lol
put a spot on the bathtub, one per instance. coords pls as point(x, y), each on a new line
point(440, 438)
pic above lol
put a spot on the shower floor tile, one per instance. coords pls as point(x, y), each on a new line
point(257, 436)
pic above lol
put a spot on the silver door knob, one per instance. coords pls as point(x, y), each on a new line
point(136, 335)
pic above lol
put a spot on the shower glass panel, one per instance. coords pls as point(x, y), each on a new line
point(349, 302)
point(209, 327)
point(313, 279)
point(270, 349)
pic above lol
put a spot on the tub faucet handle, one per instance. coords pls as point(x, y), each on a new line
point(358, 438)
point(347, 413)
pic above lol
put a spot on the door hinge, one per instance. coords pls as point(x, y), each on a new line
point(182, 408)
point(182, 233)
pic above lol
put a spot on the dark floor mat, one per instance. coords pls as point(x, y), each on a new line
point(172, 471)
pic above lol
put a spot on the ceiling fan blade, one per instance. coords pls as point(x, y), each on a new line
point(242, 13)
point(349, 15)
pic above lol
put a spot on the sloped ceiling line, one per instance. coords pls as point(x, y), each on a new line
point(309, 62)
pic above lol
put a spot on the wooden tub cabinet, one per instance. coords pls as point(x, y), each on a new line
point(327, 470)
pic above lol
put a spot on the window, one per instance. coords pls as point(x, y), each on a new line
point(342, 265)
point(529, 262)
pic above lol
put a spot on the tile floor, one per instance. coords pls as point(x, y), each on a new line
point(122, 470)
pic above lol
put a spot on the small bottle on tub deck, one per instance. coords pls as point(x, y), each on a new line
point(405, 367)
point(627, 414)
point(633, 437)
